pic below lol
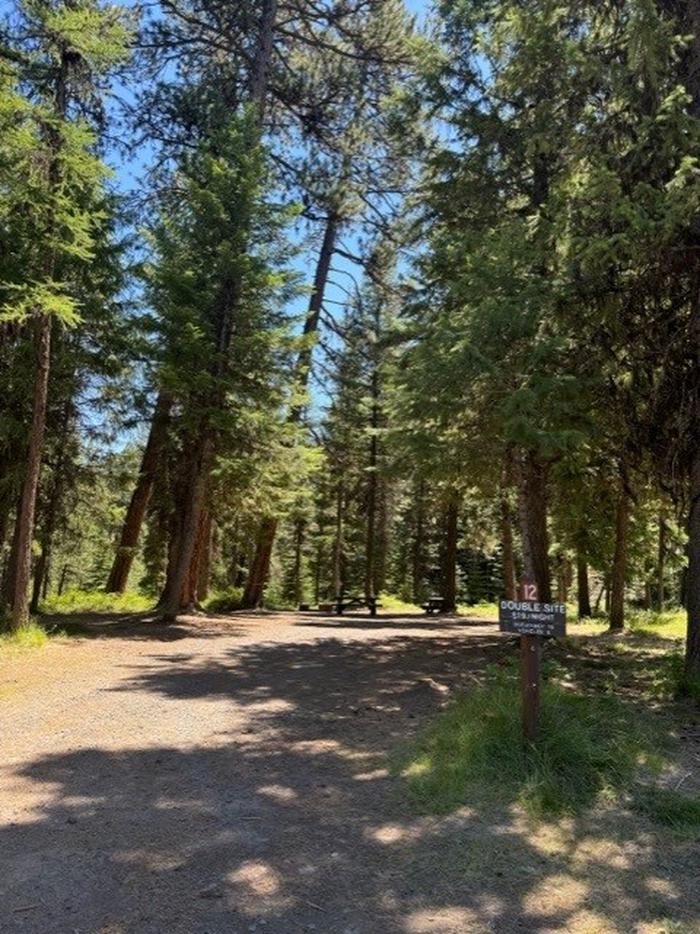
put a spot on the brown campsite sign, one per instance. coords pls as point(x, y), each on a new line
point(531, 620)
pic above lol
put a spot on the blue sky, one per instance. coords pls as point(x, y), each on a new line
point(130, 175)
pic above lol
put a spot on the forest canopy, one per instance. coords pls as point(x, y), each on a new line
point(310, 298)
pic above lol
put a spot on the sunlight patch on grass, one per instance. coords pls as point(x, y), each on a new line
point(393, 604)
point(590, 749)
point(479, 610)
point(96, 601)
point(669, 625)
point(31, 636)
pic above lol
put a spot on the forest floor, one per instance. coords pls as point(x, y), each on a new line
point(231, 774)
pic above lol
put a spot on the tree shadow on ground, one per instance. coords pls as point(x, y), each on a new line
point(146, 626)
point(288, 821)
point(389, 620)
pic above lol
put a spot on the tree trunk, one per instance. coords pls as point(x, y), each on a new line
point(194, 491)
point(302, 371)
point(371, 533)
point(205, 556)
point(260, 73)
point(317, 570)
point(338, 543)
point(20, 563)
point(27, 509)
point(583, 590)
point(38, 581)
point(418, 563)
point(133, 520)
point(240, 577)
point(661, 565)
point(297, 571)
point(62, 579)
point(259, 568)
point(563, 580)
point(449, 569)
point(302, 368)
point(202, 447)
point(532, 508)
point(692, 647)
point(619, 565)
point(507, 552)
point(196, 581)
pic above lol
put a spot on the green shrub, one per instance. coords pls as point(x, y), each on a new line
point(224, 601)
point(588, 747)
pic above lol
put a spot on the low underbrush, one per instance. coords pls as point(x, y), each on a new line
point(96, 601)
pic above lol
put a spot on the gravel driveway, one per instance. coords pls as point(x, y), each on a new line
point(230, 775)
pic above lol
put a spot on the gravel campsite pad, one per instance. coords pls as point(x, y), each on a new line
point(232, 775)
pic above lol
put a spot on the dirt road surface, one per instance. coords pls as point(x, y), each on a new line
point(230, 775)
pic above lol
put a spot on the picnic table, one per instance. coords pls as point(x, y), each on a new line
point(353, 603)
point(434, 604)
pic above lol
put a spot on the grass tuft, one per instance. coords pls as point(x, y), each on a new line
point(589, 748)
point(30, 636)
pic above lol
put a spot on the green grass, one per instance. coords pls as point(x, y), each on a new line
point(480, 610)
point(31, 636)
point(96, 601)
point(590, 747)
point(668, 807)
point(668, 625)
point(393, 604)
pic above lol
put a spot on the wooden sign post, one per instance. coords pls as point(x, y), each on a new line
point(533, 621)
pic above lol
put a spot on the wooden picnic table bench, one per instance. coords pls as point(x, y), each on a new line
point(433, 604)
point(354, 603)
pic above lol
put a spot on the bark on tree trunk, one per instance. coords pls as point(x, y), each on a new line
point(532, 508)
point(418, 563)
point(133, 520)
point(619, 565)
point(338, 543)
point(507, 552)
point(62, 579)
point(260, 73)
point(583, 590)
point(317, 569)
point(205, 556)
point(449, 570)
point(297, 571)
point(692, 647)
point(661, 565)
point(371, 533)
point(564, 580)
point(41, 565)
point(688, 15)
point(30, 486)
point(257, 577)
point(197, 479)
point(8, 580)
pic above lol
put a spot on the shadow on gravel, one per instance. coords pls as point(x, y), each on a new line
point(290, 822)
point(144, 626)
point(391, 621)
